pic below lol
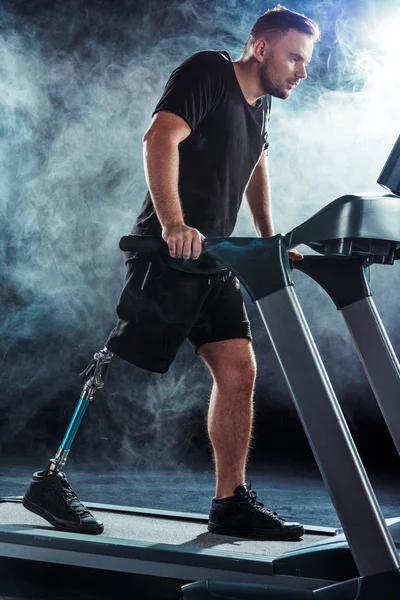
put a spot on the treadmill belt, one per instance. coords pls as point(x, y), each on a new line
point(190, 534)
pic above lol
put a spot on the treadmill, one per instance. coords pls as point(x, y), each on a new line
point(353, 232)
point(161, 547)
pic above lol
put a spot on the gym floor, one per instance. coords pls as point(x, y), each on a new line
point(296, 492)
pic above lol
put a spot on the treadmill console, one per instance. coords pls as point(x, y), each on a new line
point(365, 225)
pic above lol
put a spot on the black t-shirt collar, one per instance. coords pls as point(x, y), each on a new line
point(226, 55)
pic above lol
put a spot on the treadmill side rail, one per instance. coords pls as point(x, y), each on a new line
point(378, 359)
point(329, 437)
point(344, 279)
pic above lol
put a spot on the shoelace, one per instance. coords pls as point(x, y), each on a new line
point(73, 500)
point(250, 497)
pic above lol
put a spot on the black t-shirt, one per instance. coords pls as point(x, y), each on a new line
point(217, 159)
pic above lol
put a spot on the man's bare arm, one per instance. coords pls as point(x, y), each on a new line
point(258, 196)
point(161, 165)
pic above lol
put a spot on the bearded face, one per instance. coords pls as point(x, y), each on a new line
point(284, 64)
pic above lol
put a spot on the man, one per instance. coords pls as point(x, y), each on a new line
point(206, 148)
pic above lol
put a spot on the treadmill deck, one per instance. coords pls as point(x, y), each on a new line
point(160, 530)
point(163, 544)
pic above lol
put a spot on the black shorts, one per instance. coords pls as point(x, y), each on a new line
point(160, 307)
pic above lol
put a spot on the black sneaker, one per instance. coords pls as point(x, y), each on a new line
point(243, 516)
point(52, 497)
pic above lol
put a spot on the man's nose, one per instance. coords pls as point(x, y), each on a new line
point(301, 72)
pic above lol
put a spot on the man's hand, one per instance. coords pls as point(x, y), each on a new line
point(183, 241)
point(294, 255)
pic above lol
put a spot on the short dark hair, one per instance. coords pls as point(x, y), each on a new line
point(277, 21)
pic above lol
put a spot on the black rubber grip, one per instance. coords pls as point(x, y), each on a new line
point(143, 243)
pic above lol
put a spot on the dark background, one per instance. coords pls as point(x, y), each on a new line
point(78, 82)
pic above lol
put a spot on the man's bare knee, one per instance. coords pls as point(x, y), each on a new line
point(231, 363)
point(236, 382)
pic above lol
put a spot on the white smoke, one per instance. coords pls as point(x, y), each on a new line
point(73, 113)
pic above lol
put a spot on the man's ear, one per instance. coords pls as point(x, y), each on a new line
point(260, 48)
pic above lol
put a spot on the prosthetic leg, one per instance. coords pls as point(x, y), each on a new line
point(49, 494)
point(95, 374)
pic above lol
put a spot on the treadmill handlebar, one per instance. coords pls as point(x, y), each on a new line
point(144, 243)
point(149, 244)
point(245, 257)
point(382, 252)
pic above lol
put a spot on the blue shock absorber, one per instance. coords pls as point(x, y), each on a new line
point(75, 423)
point(95, 374)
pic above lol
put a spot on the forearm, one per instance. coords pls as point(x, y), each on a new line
point(161, 166)
point(258, 196)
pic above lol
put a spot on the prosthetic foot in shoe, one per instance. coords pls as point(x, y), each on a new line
point(52, 497)
point(243, 516)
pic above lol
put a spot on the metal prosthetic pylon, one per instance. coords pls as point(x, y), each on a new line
point(95, 374)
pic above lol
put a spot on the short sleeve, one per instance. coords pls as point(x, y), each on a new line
point(194, 88)
point(267, 108)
